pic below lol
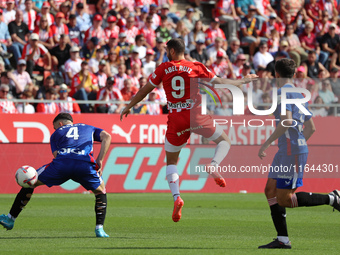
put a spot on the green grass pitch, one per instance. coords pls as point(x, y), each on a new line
point(142, 224)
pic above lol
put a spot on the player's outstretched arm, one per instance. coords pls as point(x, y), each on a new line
point(279, 131)
point(141, 94)
point(105, 139)
point(309, 128)
point(248, 78)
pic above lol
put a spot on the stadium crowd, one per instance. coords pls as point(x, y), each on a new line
point(106, 50)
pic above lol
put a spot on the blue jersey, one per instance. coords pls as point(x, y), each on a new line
point(75, 141)
point(292, 142)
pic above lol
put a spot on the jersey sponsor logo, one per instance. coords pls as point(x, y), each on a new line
point(77, 151)
point(181, 105)
point(117, 130)
point(154, 76)
point(188, 129)
point(302, 142)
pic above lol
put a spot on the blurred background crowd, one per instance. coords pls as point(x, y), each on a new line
point(105, 50)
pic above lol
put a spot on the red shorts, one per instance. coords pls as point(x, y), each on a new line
point(181, 124)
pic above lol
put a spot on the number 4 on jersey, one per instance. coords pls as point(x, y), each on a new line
point(73, 133)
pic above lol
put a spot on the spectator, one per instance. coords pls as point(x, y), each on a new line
point(262, 58)
point(125, 13)
point(18, 31)
point(48, 83)
point(5, 39)
point(161, 55)
point(155, 17)
point(50, 107)
point(112, 29)
point(101, 75)
point(26, 107)
point(103, 12)
point(141, 19)
point(270, 25)
point(224, 110)
point(319, 110)
point(9, 12)
point(212, 51)
point(226, 12)
point(136, 73)
point(45, 11)
point(179, 31)
point(88, 51)
point(195, 35)
point(149, 33)
point(326, 93)
point(292, 7)
point(112, 5)
point(335, 81)
point(142, 82)
point(309, 43)
point(96, 30)
point(330, 40)
point(59, 28)
point(84, 86)
point(130, 30)
point(61, 53)
point(70, 106)
point(149, 65)
point(295, 51)
point(249, 30)
point(107, 94)
point(242, 7)
point(188, 19)
point(140, 46)
point(112, 63)
point(21, 79)
point(120, 76)
point(330, 8)
point(234, 49)
point(213, 32)
point(301, 80)
point(222, 66)
point(172, 17)
point(65, 8)
point(129, 90)
point(36, 55)
point(266, 99)
point(111, 46)
point(238, 65)
point(45, 33)
point(6, 106)
point(94, 62)
point(132, 60)
point(72, 65)
point(153, 108)
point(29, 15)
point(313, 67)
point(314, 10)
point(123, 44)
point(83, 18)
point(163, 32)
point(322, 26)
point(257, 93)
point(75, 35)
point(199, 54)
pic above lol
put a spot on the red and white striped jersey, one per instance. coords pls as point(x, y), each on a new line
point(149, 35)
point(112, 4)
point(127, 3)
point(69, 107)
point(156, 20)
point(57, 3)
point(212, 34)
point(63, 29)
point(221, 69)
point(43, 34)
point(153, 109)
point(48, 108)
point(130, 34)
point(120, 80)
point(108, 32)
point(7, 107)
point(41, 51)
point(29, 18)
point(112, 95)
point(92, 32)
point(50, 19)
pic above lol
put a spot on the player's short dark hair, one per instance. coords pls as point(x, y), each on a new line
point(63, 116)
point(177, 44)
point(285, 68)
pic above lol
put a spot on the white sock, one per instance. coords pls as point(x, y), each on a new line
point(11, 217)
point(283, 239)
point(173, 180)
point(331, 199)
point(221, 152)
point(99, 226)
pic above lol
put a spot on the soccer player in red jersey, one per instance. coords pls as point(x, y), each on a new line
point(185, 113)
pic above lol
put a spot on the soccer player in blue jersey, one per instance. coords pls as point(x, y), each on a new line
point(293, 151)
point(72, 148)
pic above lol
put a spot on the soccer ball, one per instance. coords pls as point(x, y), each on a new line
point(26, 176)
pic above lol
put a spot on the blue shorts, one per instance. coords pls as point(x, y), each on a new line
point(288, 170)
point(60, 171)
